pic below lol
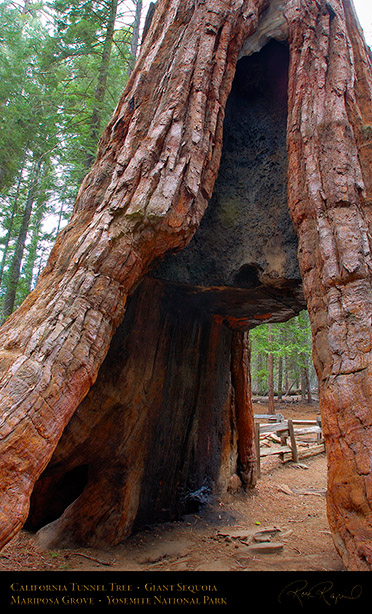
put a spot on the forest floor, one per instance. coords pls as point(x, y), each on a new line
point(287, 497)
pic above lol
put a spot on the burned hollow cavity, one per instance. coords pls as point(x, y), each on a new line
point(246, 239)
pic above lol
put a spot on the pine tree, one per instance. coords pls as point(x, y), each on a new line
point(60, 84)
point(289, 345)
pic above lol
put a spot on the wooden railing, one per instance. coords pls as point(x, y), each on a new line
point(288, 436)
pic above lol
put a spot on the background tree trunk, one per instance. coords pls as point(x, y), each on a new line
point(306, 384)
point(16, 263)
point(99, 96)
point(11, 220)
point(280, 378)
point(135, 35)
point(270, 371)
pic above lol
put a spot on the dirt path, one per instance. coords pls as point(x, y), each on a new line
point(288, 498)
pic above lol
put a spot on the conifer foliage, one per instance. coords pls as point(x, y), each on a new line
point(287, 348)
point(63, 65)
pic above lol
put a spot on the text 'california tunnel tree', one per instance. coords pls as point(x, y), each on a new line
point(124, 375)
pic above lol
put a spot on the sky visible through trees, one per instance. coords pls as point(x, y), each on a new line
point(364, 11)
point(63, 66)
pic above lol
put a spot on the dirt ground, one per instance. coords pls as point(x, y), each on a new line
point(287, 507)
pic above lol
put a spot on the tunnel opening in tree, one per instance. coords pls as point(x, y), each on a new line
point(54, 494)
point(241, 264)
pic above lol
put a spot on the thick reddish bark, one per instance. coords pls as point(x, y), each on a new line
point(329, 144)
point(155, 170)
point(241, 379)
point(152, 439)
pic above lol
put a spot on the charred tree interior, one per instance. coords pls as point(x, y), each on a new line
point(244, 254)
point(158, 436)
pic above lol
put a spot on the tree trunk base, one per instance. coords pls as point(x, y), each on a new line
point(167, 424)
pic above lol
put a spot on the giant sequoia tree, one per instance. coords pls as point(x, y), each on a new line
point(124, 374)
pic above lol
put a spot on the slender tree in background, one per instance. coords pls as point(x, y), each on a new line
point(100, 90)
point(280, 377)
point(135, 35)
point(270, 368)
point(10, 218)
point(289, 344)
point(92, 50)
point(15, 266)
point(30, 114)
